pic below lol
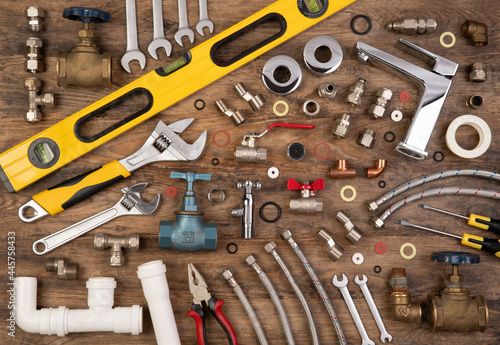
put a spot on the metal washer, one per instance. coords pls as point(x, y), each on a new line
point(281, 61)
point(273, 172)
point(223, 196)
point(323, 67)
point(358, 258)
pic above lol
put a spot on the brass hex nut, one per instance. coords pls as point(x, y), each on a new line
point(478, 73)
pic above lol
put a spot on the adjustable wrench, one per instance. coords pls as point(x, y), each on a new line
point(184, 29)
point(373, 308)
point(133, 52)
point(159, 40)
point(204, 21)
point(129, 205)
point(342, 285)
point(164, 144)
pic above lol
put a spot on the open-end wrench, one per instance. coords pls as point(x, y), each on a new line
point(159, 40)
point(204, 22)
point(164, 144)
point(342, 285)
point(129, 205)
point(133, 52)
point(184, 29)
point(373, 308)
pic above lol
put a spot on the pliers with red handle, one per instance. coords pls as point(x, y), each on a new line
point(199, 290)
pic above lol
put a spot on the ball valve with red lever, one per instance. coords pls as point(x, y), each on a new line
point(308, 202)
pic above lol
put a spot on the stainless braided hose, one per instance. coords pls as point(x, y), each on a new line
point(287, 235)
point(271, 249)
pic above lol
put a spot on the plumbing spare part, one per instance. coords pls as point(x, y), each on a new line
point(438, 156)
point(232, 248)
point(355, 92)
point(65, 270)
point(201, 298)
point(273, 65)
point(482, 129)
point(474, 101)
point(382, 184)
point(171, 191)
point(377, 109)
point(255, 101)
point(271, 249)
point(285, 108)
point(221, 198)
point(344, 197)
point(159, 40)
point(133, 52)
point(227, 137)
point(102, 241)
point(248, 152)
point(311, 107)
point(273, 172)
point(342, 286)
point(478, 72)
point(188, 233)
point(204, 21)
point(263, 217)
point(434, 86)
point(358, 258)
point(404, 96)
point(327, 91)
point(476, 32)
point(215, 161)
point(380, 248)
point(84, 65)
point(413, 251)
point(247, 206)
point(99, 317)
point(475, 220)
point(16, 168)
point(308, 201)
point(296, 151)
point(237, 116)
point(409, 26)
point(36, 100)
point(164, 144)
point(328, 148)
point(334, 250)
point(183, 29)
point(130, 204)
point(378, 169)
point(366, 138)
point(396, 115)
point(377, 269)
point(199, 104)
point(155, 287)
point(389, 136)
point(368, 21)
point(452, 37)
point(227, 274)
point(454, 309)
point(323, 42)
point(34, 58)
point(384, 335)
point(341, 170)
point(35, 15)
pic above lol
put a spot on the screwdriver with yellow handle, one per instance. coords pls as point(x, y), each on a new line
point(478, 221)
point(477, 242)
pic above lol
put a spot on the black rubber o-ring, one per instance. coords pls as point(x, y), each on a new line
point(261, 212)
point(389, 137)
point(230, 246)
point(367, 20)
point(215, 161)
point(377, 269)
point(382, 184)
point(436, 154)
point(199, 107)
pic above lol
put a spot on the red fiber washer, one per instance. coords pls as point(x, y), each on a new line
point(171, 192)
point(404, 96)
point(380, 248)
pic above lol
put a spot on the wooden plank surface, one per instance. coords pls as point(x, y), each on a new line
point(425, 276)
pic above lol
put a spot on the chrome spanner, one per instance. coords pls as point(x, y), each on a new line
point(342, 285)
point(159, 40)
point(373, 308)
point(184, 29)
point(133, 52)
point(204, 21)
point(129, 205)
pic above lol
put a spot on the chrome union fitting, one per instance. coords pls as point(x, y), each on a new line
point(341, 126)
point(378, 108)
point(357, 90)
point(34, 59)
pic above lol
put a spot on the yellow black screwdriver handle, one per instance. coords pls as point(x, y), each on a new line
point(71, 192)
point(478, 242)
point(63, 142)
point(484, 223)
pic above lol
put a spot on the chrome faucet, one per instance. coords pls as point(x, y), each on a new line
point(434, 86)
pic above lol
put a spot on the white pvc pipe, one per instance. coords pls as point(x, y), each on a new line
point(155, 287)
point(100, 317)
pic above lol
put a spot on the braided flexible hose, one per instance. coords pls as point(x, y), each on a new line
point(287, 235)
point(270, 248)
point(374, 205)
point(274, 297)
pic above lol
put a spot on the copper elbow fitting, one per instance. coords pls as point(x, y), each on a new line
point(377, 170)
point(341, 170)
point(476, 32)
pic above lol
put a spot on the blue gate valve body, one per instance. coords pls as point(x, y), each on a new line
point(188, 233)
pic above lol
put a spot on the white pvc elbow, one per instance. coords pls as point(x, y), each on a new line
point(100, 317)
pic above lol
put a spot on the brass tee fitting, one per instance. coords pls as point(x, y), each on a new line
point(476, 32)
point(116, 244)
point(36, 99)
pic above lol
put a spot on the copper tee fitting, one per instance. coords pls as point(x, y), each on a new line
point(340, 170)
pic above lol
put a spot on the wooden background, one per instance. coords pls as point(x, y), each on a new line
point(425, 276)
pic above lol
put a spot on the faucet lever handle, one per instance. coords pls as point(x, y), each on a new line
point(439, 64)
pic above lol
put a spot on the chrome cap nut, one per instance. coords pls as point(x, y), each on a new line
point(377, 222)
point(32, 83)
point(227, 274)
point(372, 206)
point(34, 42)
point(34, 11)
point(270, 246)
point(377, 111)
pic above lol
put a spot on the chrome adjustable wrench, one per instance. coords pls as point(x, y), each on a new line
point(130, 204)
point(164, 144)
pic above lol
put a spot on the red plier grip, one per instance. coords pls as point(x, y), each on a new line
point(198, 315)
point(293, 125)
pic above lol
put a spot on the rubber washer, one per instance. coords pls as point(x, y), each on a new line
point(380, 248)
point(296, 151)
point(404, 96)
point(323, 157)
point(171, 191)
point(413, 253)
point(215, 161)
point(261, 212)
point(389, 137)
point(227, 135)
point(232, 248)
point(438, 156)
point(353, 21)
point(197, 106)
point(377, 269)
point(382, 184)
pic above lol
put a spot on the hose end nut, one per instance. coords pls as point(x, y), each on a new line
point(270, 246)
point(377, 222)
point(372, 206)
point(287, 234)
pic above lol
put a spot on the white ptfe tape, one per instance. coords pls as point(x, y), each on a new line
point(479, 125)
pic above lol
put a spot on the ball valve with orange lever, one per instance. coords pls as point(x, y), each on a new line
point(308, 202)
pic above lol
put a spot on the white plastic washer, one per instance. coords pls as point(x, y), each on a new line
point(280, 113)
point(273, 172)
point(453, 39)
point(396, 115)
point(316, 107)
point(479, 125)
point(358, 258)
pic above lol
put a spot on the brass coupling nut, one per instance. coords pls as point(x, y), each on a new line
point(65, 270)
point(237, 116)
point(256, 102)
point(334, 250)
point(476, 32)
point(116, 244)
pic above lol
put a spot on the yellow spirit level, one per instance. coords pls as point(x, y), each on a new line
point(60, 144)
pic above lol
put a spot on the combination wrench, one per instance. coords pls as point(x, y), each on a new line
point(342, 285)
point(184, 29)
point(204, 21)
point(159, 40)
point(373, 308)
point(133, 52)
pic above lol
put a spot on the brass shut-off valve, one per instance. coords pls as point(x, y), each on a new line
point(116, 244)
